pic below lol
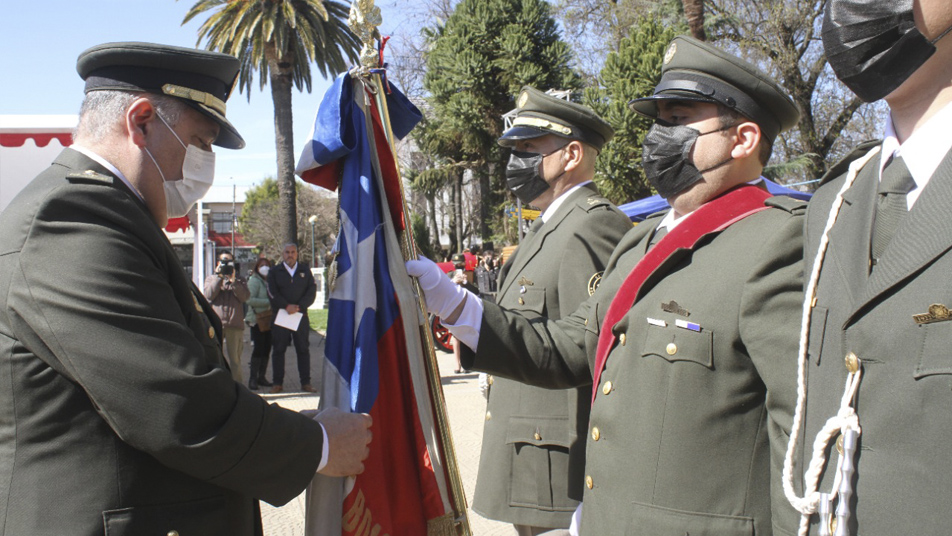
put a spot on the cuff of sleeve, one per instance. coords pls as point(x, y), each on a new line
point(324, 451)
point(466, 328)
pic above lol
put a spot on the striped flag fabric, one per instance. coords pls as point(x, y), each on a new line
point(374, 357)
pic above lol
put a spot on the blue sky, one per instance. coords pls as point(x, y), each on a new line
point(40, 40)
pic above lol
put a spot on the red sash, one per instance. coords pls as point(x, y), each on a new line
point(715, 215)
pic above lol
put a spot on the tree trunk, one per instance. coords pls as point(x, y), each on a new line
point(694, 13)
point(281, 84)
point(485, 202)
point(458, 210)
point(431, 221)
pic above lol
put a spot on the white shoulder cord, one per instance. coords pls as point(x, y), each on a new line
point(845, 421)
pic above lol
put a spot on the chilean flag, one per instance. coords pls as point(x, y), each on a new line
point(373, 352)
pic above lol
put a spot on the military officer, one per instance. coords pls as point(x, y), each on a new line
point(533, 448)
point(689, 340)
point(877, 370)
point(118, 414)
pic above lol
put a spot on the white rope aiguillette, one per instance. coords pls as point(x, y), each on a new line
point(845, 422)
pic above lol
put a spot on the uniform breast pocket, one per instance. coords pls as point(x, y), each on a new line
point(935, 355)
point(532, 300)
point(675, 344)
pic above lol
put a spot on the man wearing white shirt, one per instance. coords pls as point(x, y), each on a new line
point(879, 318)
point(533, 446)
point(291, 288)
point(690, 337)
point(118, 414)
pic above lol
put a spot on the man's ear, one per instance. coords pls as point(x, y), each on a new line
point(573, 154)
point(139, 117)
point(748, 140)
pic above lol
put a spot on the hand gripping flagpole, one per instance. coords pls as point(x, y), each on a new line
point(363, 21)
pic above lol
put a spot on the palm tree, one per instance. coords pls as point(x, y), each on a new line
point(280, 38)
point(694, 13)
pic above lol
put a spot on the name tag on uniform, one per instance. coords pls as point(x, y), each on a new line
point(656, 322)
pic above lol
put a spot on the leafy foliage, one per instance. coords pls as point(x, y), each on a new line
point(288, 34)
point(631, 72)
point(261, 219)
point(477, 61)
point(281, 39)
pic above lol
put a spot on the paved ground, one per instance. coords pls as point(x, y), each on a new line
point(466, 408)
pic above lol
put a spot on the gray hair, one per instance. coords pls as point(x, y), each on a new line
point(284, 247)
point(102, 111)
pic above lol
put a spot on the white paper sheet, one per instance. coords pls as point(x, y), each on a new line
point(289, 321)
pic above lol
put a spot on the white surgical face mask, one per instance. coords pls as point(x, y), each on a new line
point(264, 270)
point(198, 174)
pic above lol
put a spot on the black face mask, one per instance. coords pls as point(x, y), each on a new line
point(522, 175)
point(665, 157)
point(873, 46)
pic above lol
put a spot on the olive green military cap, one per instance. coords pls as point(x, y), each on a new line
point(694, 70)
point(539, 114)
point(201, 79)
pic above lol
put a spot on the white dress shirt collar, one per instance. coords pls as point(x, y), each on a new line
point(550, 210)
point(290, 270)
point(922, 152)
point(106, 164)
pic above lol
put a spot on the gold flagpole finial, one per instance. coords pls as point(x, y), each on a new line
point(363, 21)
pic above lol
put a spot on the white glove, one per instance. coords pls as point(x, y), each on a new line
point(442, 295)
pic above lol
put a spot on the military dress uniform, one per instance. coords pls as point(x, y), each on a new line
point(533, 446)
point(693, 404)
point(118, 413)
point(888, 316)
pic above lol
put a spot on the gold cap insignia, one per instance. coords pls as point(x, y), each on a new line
point(937, 313)
point(669, 55)
point(593, 283)
point(522, 99)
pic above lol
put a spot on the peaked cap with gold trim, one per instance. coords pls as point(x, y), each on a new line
point(696, 71)
point(540, 114)
point(201, 79)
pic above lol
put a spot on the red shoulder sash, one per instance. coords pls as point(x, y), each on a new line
point(714, 216)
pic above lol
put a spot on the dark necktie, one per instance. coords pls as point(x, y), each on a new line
point(891, 204)
point(533, 229)
point(658, 235)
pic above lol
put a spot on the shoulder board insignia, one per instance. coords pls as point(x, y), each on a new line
point(593, 202)
point(89, 176)
point(785, 202)
point(843, 165)
point(593, 283)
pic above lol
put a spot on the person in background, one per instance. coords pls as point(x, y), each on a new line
point(461, 278)
point(227, 293)
point(291, 287)
point(259, 318)
point(486, 273)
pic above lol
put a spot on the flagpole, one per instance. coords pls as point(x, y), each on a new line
point(363, 20)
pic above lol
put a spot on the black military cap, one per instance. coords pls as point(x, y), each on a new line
point(200, 78)
point(694, 70)
point(540, 114)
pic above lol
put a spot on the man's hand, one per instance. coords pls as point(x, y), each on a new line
point(459, 278)
point(442, 295)
point(292, 308)
point(348, 435)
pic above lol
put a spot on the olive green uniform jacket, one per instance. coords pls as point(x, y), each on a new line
point(686, 425)
point(118, 414)
point(533, 448)
point(903, 474)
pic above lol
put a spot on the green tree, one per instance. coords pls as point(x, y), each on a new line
point(631, 72)
point(262, 220)
point(477, 61)
point(280, 39)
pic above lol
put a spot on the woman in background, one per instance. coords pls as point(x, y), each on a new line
point(259, 317)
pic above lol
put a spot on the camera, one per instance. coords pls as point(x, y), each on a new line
point(226, 267)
